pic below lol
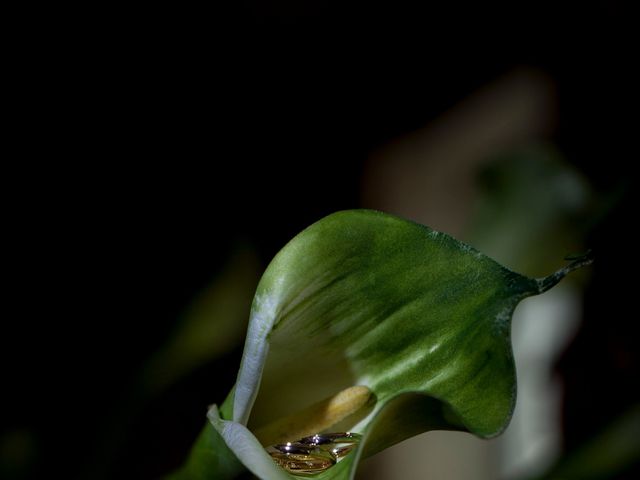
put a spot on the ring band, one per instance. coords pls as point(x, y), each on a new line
point(313, 454)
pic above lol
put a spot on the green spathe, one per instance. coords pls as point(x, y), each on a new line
point(366, 298)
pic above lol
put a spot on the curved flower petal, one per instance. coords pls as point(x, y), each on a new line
point(246, 447)
point(365, 298)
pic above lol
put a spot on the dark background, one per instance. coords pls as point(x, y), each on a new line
point(145, 144)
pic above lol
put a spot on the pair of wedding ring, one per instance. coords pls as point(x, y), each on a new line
point(314, 454)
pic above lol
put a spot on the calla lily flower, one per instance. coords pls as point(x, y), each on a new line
point(368, 323)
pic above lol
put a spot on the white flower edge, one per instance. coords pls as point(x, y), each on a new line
point(246, 447)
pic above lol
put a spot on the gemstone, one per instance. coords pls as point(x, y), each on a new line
point(327, 438)
point(294, 447)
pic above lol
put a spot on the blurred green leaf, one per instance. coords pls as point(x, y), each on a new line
point(532, 209)
point(365, 298)
point(209, 458)
point(213, 324)
point(606, 455)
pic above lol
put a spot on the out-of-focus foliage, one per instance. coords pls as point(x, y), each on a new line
point(214, 323)
point(607, 454)
point(532, 209)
